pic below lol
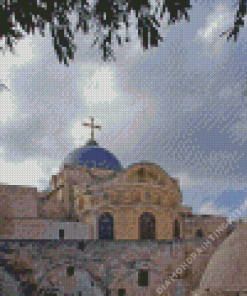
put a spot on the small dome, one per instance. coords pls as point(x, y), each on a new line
point(93, 156)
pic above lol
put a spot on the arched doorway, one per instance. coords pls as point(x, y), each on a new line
point(177, 229)
point(106, 226)
point(147, 226)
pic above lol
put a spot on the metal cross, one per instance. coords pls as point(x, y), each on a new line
point(92, 126)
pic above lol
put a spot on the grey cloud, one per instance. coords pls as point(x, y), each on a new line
point(3, 87)
point(19, 138)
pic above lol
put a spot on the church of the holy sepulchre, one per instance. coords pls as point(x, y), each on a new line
point(94, 199)
point(104, 201)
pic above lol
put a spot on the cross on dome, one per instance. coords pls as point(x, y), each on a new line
point(92, 126)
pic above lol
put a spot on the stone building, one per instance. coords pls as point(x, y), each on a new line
point(138, 202)
point(94, 198)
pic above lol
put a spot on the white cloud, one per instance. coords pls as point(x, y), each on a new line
point(34, 172)
point(217, 22)
point(8, 107)
point(220, 19)
point(209, 185)
point(24, 173)
point(210, 209)
point(185, 181)
point(115, 109)
point(80, 133)
point(2, 150)
point(101, 87)
point(25, 51)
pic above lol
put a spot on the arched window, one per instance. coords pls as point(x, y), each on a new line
point(199, 233)
point(106, 226)
point(177, 229)
point(147, 226)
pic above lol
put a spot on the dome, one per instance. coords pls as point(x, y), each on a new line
point(92, 156)
point(227, 269)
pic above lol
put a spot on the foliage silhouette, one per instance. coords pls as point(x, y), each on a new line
point(107, 15)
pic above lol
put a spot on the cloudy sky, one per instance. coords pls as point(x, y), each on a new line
point(181, 105)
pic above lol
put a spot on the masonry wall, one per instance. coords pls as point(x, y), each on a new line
point(42, 229)
point(18, 201)
point(112, 264)
point(190, 224)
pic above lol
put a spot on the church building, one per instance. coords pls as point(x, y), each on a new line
point(94, 197)
point(102, 229)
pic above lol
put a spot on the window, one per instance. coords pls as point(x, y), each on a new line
point(147, 226)
point(199, 233)
point(106, 226)
point(81, 246)
point(70, 270)
point(121, 292)
point(143, 278)
point(141, 173)
point(61, 233)
point(177, 229)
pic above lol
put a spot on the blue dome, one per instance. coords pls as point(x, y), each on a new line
point(92, 156)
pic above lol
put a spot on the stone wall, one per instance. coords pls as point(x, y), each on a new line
point(43, 229)
point(190, 224)
point(18, 201)
point(107, 265)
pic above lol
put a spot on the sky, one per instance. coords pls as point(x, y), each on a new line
point(181, 105)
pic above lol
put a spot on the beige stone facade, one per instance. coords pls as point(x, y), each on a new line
point(141, 203)
point(82, 195)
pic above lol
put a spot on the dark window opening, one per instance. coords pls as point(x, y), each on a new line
point(141, 173)
point(81, 246)
point(61, 233)
point(143, 278)
point(177, 229)
point(106, 226)
point(199, 233)
point(147, 226)
point(92, 284)
point(121, 292)
point(70, 270)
